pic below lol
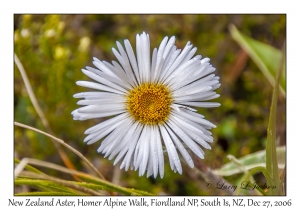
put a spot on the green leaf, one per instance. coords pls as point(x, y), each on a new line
point(266, 57)
point(251, 161)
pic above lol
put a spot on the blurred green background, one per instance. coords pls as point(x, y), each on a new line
point(54, 48)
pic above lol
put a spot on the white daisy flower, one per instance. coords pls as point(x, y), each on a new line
point(150, 101)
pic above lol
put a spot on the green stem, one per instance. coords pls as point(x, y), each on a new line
point(255, 170)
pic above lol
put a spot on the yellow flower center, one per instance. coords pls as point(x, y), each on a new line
point(149, 103)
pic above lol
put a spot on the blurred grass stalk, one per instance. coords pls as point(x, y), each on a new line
point(57, 140)
point(39, 111)
point(266, 57)
point(41, 114)
point(90, 186)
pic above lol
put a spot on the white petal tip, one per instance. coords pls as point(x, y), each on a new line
point(86, 139)
point(78, 95)
point(212, 125)
point(90, 142)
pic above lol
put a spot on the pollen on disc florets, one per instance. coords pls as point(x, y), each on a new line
point(150, 103)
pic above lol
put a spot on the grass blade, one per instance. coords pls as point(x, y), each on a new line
point(46, 185)
point(271, 155)
point(28, 174)
point(46, 194)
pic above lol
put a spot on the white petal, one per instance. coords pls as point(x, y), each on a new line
point(115, 137)
point(210, 97)
point(97, 86)
point(125, 67)
point(196, 126)
point(97, 95)
point(167, 53)
point(197, 75)
point(183, 69)
point(126, 64)
point(164, 136)
point(118, 79)
point(91, 69)
point(132, 148)
point(186, 139)
point(204, 96)
point(190, 111)
point(182, 55)
point(216, 86)
point(189, 56)
point(119, 72)
point(191, 91)
point(158, 70)
point(120, 100)
point(149, 166)
point(192, 132)
point(101, 108)
point(144, 152)
point(171, 149)
point(132, 60)
point(195, 118)
point(92, 138)
point(160, 59)
point(154, 153)
point(138, 151)
point(173, 55)
point(139, 58)
point(154, 59)
point(160, 152)
point(181, 148)
point(98, 115)
point(196, 83)
point(169, 46)
point(192, 74)
point(161, 50)
point(202, 104)
point(125, 145)
point(145, 57)
point(205, 60)
point(106, 123)
point(180, 121)
point(102, 67)
point(103, 81)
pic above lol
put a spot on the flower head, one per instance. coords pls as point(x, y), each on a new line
point(150, 101)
